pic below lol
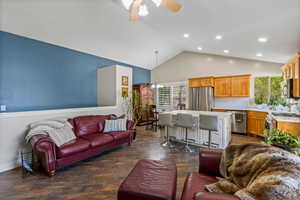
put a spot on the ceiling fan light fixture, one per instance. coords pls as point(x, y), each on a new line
point(157, 2)
point(127, 3)
point(143, 11)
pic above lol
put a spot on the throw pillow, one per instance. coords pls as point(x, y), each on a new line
point(115, 125)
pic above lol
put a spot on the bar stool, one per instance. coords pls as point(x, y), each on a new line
point(167, 120)
point(186, 121)
point(209, 123)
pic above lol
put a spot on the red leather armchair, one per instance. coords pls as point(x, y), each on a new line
point(194, 187)
point(90, 140)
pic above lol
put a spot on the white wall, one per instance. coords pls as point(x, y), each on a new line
point(97, 27)
point(13, 127)
point(106, 86)
point(191, 65)
point(123, 71)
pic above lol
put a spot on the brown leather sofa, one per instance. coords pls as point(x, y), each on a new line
point(90, 141)
point(194, 187)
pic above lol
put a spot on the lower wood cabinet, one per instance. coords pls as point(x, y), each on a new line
point(291, 127)
point(219, 110)
point(256, 122)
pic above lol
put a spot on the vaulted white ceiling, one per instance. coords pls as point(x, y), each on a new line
point(101, 27)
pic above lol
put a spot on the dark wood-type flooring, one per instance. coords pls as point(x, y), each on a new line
point(98, 178)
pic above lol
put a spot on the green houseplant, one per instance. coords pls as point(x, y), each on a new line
point(132, 107)
point(283, 139)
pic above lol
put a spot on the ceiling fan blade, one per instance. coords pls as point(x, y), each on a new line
point(134, 14)
point(171, 5)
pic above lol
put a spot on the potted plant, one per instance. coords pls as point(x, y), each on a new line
point(283, 139)
point(133, 109)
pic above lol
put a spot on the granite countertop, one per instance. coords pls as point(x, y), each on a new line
point(197, 113)
point(292, 119)
point(287, 119)
point(246, 109)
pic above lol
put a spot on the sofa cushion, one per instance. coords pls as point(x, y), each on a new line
point(98, 139)
point(194, 183)
point(119, 135)
point(88, 124)
point(72, 147)
point(115, 125)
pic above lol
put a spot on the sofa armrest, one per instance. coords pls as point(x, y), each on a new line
point(213, 196)
point(130, 125)
point(44, 148)
point(209, 161)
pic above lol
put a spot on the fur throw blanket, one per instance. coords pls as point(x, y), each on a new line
point(259, 172)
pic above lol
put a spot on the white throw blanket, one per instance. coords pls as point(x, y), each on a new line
point(59, 130)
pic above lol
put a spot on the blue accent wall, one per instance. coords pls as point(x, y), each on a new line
point(35, 75)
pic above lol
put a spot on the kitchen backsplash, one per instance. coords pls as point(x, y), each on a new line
point(231, 103)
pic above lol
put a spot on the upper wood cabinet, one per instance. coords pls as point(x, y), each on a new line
point(291, 69)
point(232, 86)
point(201, 82)
point(225, 86)
point(222, 87)
point(240, 86)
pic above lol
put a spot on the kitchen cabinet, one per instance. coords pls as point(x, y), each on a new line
point(256, 122)
point(219, 110)
point(201, 82)
point(222, 87)
point(291, 127)
point(296, 88)
point(232, 86)
point(291, 70)
point(240, 86)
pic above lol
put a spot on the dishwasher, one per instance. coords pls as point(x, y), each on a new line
point(239, 122)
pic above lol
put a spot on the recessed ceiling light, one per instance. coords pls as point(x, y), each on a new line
point(199, 48)
point(262, 39)
point(186, 35)
point(259, 55)
point(219, 37)
point(226, 51)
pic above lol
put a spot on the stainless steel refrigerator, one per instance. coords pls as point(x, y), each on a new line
point(201, 98)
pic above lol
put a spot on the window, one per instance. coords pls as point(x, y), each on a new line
point(171, 94)
point(268, 90)
point(164, 96)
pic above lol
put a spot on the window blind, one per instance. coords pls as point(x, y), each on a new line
point(164, 96)
point(170, 96)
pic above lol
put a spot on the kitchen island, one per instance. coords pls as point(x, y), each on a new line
point(199, 137)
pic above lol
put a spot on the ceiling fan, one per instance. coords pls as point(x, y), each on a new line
point(139, 8)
